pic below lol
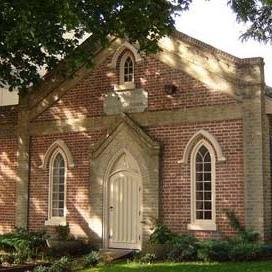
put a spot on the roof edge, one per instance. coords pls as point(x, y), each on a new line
point(184, 37)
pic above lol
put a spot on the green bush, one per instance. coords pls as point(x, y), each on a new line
point(243, 246)
point(161, 235)
point(6, 258)
point(68, 248)
point(92, 259)
point(40, 268)
point(246, 251)
point(63, 232)
point(183, 248)
point(62, 265)
point(214, 250)
point(23, 242)
point(145, 257)
point(243, 234)
point(229, 250)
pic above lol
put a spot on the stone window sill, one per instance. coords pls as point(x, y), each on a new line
point(202, 226)
point(124, 86)
point(56, 221)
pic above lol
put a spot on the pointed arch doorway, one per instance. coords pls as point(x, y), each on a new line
point(124, 187)
point(123, 202)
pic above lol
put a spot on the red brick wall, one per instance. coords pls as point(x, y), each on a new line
point(78, 182)
point(8, 164)
point(175, 177)
point(86, 99)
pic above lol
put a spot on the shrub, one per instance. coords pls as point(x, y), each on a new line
point(267, 251)
point(6, 258)
point(21, 257)
point(92, 259)
point(63, 232)
point(62, 265)
point(245, 251)
point(68, 248)
point(244, 235)
point(23, 242)
point(229, 250)
point(214, 250)
point(161, 235)
point(40, 268)
point(183, 248)
point(144, 257)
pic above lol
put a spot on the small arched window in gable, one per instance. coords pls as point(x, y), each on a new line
point(128, 70)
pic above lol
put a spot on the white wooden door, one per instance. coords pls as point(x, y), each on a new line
point(124, 210)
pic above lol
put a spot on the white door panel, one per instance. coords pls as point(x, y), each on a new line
point(124, 210)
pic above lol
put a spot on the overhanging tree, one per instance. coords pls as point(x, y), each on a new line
point(33, 33)
point(258, 16)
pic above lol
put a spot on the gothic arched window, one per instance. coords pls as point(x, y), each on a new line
point(57, 186)
point(203, 186)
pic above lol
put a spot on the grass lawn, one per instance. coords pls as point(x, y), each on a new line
point(185, 267)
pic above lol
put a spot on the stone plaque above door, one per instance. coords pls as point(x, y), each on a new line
point(127, 101)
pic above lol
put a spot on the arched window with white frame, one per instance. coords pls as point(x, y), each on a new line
point(203, 159)
point(58, 172)
point(57, 160)
point(127, 71)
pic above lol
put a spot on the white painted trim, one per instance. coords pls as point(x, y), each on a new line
point(53, 221)
point(202, 224)
point(62, 146)
point(118, 52)
point(106, 199)
point(208, 136)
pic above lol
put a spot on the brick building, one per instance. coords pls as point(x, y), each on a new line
point(178, 136)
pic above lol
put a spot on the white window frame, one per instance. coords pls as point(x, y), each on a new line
point(122, 84)
point(196, 224)
point(56, 220)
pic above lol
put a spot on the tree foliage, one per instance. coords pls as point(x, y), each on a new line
point(258, 16)
point(33, 33)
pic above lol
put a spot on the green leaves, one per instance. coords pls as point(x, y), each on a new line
point(258, 16)
point(37, 34)
point(33, 33)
